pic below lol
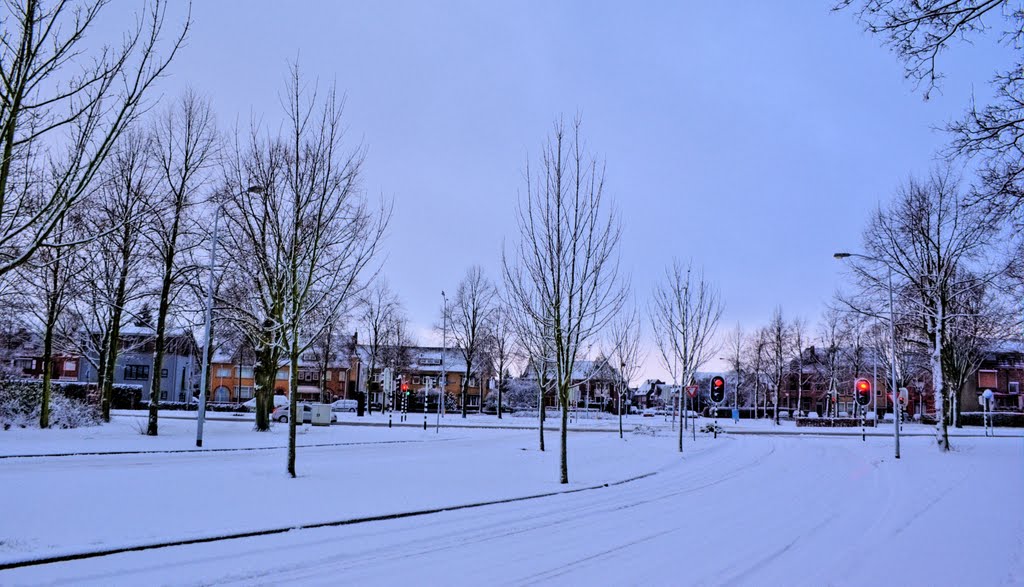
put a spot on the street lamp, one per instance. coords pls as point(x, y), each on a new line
point(892, 333)
point(201, 416)
point(442, 384)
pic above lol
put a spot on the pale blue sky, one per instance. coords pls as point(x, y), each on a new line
point(753, 138)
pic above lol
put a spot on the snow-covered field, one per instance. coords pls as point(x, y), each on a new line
point(742, 509)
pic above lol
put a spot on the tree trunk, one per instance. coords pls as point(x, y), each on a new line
point(101, 372)
point(293, 399)
point(264, 373)
point(563, 399)
point(47, 366)
point(540, 414)
point(939, 384)
point(500, 382)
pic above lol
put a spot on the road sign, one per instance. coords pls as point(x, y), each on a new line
point(691, 390)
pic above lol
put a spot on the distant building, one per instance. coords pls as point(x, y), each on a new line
point(179, 374)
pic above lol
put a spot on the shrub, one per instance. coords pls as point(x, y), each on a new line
point(1009, 420)
point(21, 402)
point(833, 422)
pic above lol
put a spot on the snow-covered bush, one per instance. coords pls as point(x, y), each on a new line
point(21, 402)
point(712, 428)
point(812, 415)
point(644, 430)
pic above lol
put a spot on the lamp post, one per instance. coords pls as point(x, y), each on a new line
point(892, 334)
point(444, 351)
point(201, 416)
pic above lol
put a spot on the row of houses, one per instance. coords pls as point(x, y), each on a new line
point(356, 370)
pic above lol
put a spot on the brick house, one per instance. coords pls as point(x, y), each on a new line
point(1002, 371)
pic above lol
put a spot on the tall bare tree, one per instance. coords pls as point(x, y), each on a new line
point(378, 309)
point(65, 101)
point(184, 143)
point(322, 233)
point(51, 279)
point(627, 356)
point(684, 315)
point(939, 251)
point(501, 348)
point(564, 271)
point(779, 340)
point(469, 319)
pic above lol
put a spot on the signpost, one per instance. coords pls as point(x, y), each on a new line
point(691, 391)
point(388, 388)
point(986, 418)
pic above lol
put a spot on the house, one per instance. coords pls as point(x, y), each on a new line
point(179, 374)
point(25, 361)
point(1002, 371)
point(232, 378)
point(593, 383)
point(422, 370)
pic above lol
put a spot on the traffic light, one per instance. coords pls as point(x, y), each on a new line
point(863, 388)
point(405, 387)
point(717, 389)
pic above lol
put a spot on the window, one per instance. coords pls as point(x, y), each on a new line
point(136, 373)
point(472, 382)
point(70, 365)
point(282, 375)
point(247, 372)
point(163, 373)
point(987, 380)
point(163, 395)
point(416, 379)
point(328, 376)
point(223, 372)
point(1015, 387)
point(244, 392)
point(428, 381)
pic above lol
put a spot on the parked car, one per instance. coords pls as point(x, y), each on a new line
point(662, 411)
point(492, 410)
point(282, 413)
point(279, 400)
point(345, 405)
point(649, 413)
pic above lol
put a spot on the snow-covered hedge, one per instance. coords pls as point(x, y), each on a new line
point(833, 422)
point(21, 402)
point(1009, 420)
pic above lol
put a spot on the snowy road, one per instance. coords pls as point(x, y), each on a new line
point(749, 510)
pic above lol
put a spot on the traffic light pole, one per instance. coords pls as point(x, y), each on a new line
point(892, 366)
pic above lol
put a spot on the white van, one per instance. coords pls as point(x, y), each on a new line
point(345, 405)
point(279, 400)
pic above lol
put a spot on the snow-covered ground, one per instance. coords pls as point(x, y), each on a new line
point(742, 509)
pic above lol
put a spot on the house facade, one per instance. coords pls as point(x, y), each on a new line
point(179, 374)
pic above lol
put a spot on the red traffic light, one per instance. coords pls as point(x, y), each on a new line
point(863, 387)
point(405, 387)
point(717, 382)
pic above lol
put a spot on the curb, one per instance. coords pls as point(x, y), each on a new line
point(281, 530)
point(205, 450)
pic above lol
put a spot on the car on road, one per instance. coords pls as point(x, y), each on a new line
point(282, 413)
point(649, 413)
point(345, 405)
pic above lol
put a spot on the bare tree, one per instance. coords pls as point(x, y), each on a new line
point(184, 150)
point(117, 271)
point(778, 356)
point(379, 306)
point(626, 354)
point(829, 356)
point(50, 277)
point(939, 251)
point(798, 329)
point(564, 271)
point(469, 319)
point(757, 351)
point(684, 316)
point(919, 31)
point(326, 232)
point(65, 103)
point(735, 344)
point(501, 348)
